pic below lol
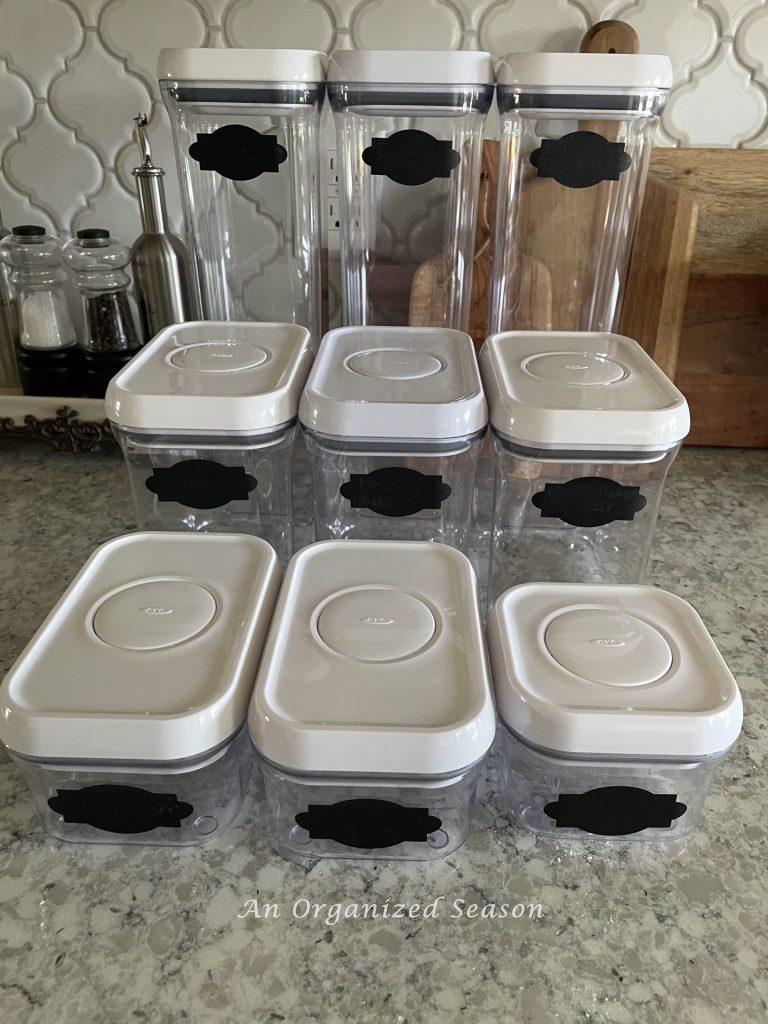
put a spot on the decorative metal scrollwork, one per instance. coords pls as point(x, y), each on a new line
point(65, 431)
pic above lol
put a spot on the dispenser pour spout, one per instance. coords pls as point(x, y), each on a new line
point(142, 141)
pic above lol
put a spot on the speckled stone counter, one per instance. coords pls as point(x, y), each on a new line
point(627, 933)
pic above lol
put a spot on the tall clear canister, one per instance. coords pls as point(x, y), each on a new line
point(245, 129)
point(576, 137)
point(409, 127)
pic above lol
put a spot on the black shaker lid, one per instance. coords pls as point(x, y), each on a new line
point(93, 234)
point(29, 231)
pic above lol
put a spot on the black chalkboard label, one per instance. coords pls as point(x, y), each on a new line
point(201, 484)
point(580, 160)
point(124, 810)
point(589, 501)
point(411, 157)
point(368, 824)
point(395, 491)
point(238, 152)
point(615, 810)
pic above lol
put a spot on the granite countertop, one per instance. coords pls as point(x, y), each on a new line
point(628, 933)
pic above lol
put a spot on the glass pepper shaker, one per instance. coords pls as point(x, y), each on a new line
point(110, 338)
point(49, 357)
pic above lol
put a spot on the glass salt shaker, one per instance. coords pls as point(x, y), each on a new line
point(49, 357)
point(9, 372)
point(110, 338)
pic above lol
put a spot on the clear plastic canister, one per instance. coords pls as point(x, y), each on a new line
point(245, 130)
point(576, 136)
point(409, 129)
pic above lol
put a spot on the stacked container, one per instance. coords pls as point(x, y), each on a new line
point(126, 710)
point(576, 136)
point(409, 129)
point(394, 419)
point(206, 417)
point(245, 127)
point(585, 428)
point(372, 710)
point(616, 708)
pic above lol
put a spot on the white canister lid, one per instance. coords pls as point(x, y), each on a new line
point(211, 377)
point(622, 72)
point(375, 663)
point(151, 654)
point(230, 64)
point(395, 383)
point(411, 67)
point(580, 390)
point(628, 672)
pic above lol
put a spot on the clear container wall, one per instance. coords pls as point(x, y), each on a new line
point(248, 165)
point(232, 485)
point(573, 519)
point(150, 807)
point(570, 799)
point(409, 163)
point(415, 494)
point(310, 818)
point(571, 178)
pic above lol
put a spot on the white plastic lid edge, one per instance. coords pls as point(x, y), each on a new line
point(193, 414)
point(569, 430)
point(411, 67)
point(402, 422)
point(617, 71)
point(233, 64)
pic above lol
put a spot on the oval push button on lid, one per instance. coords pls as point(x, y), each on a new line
point(607, 646)
point(376, 624)
point(577, 368)
point(222, 356)
point(153, 614)
point(394, 363)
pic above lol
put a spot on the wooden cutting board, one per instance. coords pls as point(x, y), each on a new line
point(722, 365)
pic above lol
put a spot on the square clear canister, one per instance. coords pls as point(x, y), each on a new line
point(394, 419)
point(585, 427)
point(616, 710)
point(372, 712)
point(206, 417)
point(126, 711)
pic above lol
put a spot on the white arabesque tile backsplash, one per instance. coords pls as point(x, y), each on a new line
point(75, 72)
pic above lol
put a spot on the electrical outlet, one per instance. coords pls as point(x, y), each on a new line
point(332, 171)
point(333, 214)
